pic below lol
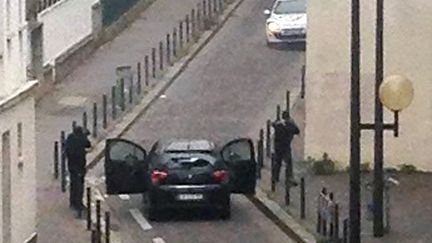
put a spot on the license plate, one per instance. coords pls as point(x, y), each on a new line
point(190, 197)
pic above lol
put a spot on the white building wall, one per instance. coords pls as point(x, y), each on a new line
point(407, 45)
point(65, 24)
point(23, 179)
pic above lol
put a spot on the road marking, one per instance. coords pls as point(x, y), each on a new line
point(137, 215)
point(124, 197)
point(158, 240)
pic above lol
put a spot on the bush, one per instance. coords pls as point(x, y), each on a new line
point(324, 167)
point(407, 168)
point(365, 167)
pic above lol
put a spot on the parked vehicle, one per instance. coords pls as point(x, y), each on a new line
point(182, 173)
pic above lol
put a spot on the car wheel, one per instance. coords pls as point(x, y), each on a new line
point(271, 45)
point(152, 213)
point(225, 212)
point(151, 210)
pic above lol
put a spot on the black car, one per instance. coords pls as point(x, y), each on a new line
point(182, 173)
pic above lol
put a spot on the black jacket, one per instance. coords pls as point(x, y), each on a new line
point(75, 146)
point(284, 133)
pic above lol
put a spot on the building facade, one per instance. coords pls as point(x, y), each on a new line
point(407, 42)
point(18, 80)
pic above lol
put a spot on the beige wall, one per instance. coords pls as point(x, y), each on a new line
point(23, 181)
point(65, 24)
point(407, 45)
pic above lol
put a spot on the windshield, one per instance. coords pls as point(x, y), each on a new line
point(290, 7)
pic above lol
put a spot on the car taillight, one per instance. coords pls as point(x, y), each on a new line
point(158, 176)
point(220, 176)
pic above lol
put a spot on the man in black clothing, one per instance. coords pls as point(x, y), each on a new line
point(284, 134)
point(75, 149)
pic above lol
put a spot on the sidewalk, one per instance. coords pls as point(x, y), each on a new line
point(55, 111)
point(410, 208)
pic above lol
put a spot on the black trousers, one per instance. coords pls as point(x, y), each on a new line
point(76, 189)
point(282, 155)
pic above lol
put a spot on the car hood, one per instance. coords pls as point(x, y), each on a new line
point(289, 20)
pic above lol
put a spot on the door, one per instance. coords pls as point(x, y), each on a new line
point(239, 156)
point(6, 188)
point(126, 167)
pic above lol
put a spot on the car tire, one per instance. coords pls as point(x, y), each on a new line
point(271, 45)
point(225, 212)
point(151, 211)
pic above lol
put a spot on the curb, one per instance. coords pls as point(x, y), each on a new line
point(281, 218)
point(128, 119)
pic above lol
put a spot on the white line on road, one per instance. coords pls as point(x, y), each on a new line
point(137, 215)
point(158, 240)
point(124, 197)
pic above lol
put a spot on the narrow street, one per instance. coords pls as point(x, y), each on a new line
point(221, 95)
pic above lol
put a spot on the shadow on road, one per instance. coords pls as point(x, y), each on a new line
point(195, 214)
point(289, 46)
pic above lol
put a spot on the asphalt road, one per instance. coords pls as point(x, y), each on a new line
point(224, 93)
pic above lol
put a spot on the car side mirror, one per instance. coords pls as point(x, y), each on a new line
point(267, 12)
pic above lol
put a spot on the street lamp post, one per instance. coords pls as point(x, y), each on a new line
point(396, 93)
point(378, 189)
point(354, 198)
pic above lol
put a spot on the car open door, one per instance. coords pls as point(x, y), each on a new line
point(239, 156)
point(125, 167)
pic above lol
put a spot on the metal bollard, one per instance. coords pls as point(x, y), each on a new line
point(63, 162)
point(168, 49)
point(94, 238)
point(104, 111)
point(288, 103)
point(113, 103)
point(287, 184)
point(89, 221)
point(84, 120)
point(278, 112)
point(273, 172)
point(187, 28)
point(215, 7)
point(193, 25)
point(74, 124)
point(131, 91)
point(174, 42)
point(259, 159)
point(153, 57)
point(209, 4)
point(181, 34)
point(331, 223)
point(198, 17)
point(204, 4)
point(107, 226)
point(56, 160)
point(336, 222)
point(94, 120)
point(98, 220)
point(146, 71)
point(161, 61)
point(302, 199)
point(303, 72)
point(268, 138)
point(261, 148)
point(139, 78)
point(122, 95)
point(345, 231)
